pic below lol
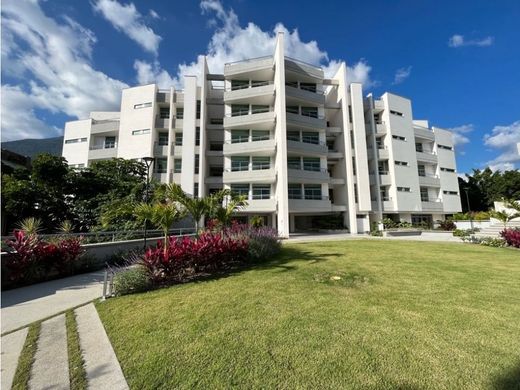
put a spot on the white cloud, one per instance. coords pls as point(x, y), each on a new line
point(148, 73)
point(459, 41)
point(504, 139)
point(231, 42)
point(154, 14)
point(402, 74)
point(128, 20)
point(460, 134)
point(55, 57)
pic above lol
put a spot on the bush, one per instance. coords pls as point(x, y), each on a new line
point(374, 230)
point(447, 225)
point(476, 216)
point(465, 232)
point(511, 236)
point(389, 223)
point(263, 244)
point(485, 241)
point(132, 280)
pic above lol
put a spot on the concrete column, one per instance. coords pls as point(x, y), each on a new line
point(188, 134)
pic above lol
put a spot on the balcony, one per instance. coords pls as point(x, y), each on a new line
point(336, 181)
point(258, 93)
point(259, 119)
point(382, 154)
point(432, 206)
point(379, 105)
point(161, 123)
point(260, 206)
point(306, 148)
point(334, 155)
point(163, 97)
point(424, 133)
point(384, 179)
point(306, 205)
point(104, 126)
point(429, 181)
point(264, 148)
point(428, 157)
point(308, 70)
point(311, 122)
point(301, 95)
point(334, 130)
point(251, 65)
point(160, 149)
point(320, 175)
point(380, 129)
point(250, 176)
point(337, 208)
point(100, 152)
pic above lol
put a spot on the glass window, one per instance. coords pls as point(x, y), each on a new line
point(197, 160)
point(311, 137)
point(403, 189)
point(257, 109)
point(143, 105)
point(198, 109)
point(180, 113)
point(293, 84)
point(424, 194)
point(238, 136)
point(240, 189)
point(216, 121)
point(261, 191)
point(239, 109)
point(215, 170)
point(418, 147)
point(384, 194)
point(164, 112)
point(259, 135)
point(311, 164)
point(294, 163)
point(308, 87)
point(177, 165)
point(163, 139)
point(312, 191)
point(195, 190)
point(259, 83)
point(421, 170)
point(293, 135)
point(239, 163)
point(178, 139)
point(216, 146)
point(292, 109)
point(295, 191)
point(75, 140)
point(261, 163)
point(239, 84)
point(310, 111)
point(110, 142)
point(160, 165)
point(141, 132)
point(197, 136)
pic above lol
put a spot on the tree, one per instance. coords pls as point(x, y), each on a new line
point(503, 216)
point(162, 215)
point(224, 204)
point(198, 208)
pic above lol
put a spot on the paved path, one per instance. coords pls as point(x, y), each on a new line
point(12, 345)
point(426, 236)
point(25, 305)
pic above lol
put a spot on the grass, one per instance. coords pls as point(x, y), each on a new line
point(77, 374)
point(26, 359)
point(352, 314)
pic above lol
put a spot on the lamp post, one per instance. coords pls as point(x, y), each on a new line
point(469, 208)
point(148, 161)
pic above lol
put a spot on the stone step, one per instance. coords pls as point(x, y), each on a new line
point(12, 345)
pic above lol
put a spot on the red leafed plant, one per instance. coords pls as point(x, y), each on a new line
point(512, 237)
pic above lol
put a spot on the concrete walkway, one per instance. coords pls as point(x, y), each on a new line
point(314, 237)
point(12, 346)
point(25, 305)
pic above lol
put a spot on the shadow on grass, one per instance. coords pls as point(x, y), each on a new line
point(509, 380)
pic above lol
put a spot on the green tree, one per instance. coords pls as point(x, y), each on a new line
point(162, 215)
point(503, 216)
point(224, 204)
point(198, 208)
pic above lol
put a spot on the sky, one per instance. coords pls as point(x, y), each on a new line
point(458, 61)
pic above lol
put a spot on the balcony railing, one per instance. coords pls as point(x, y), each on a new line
point(308, 196)
point(307, 168)
point(248, 112)
point(251, 85)
point(107, 146)
point(249, 167)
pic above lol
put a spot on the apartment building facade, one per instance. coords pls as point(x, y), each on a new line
point(303, 148)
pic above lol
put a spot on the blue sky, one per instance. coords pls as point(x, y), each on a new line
point(459, 61)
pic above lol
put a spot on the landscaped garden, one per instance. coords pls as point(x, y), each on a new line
point(352, 314)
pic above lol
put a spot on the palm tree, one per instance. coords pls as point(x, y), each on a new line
point(503, 216)
point(512, 204)
point(224, 204)
point(31, 226)
point(162, 215)
point(198, 208)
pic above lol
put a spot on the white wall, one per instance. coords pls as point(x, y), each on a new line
point(188, 134)
point(449, 180)
point(76, 153)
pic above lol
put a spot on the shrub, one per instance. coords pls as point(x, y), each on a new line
point(511, 236)
point(476, 216)
point(257, 221)
point(132, 280)
point(447, 225)
point(465, 232)
point(485, 241)
point(374, 230)
point(389, 223)
point(404, 225)
point(263, 244)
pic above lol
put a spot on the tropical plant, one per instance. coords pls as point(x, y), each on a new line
point(256, 221)
point(66, 227)
point(511, 236)
point(31, 226)
point(226, 209)
point(503, 216)
point(162, 215)
point(198, 208)
point(513, 204)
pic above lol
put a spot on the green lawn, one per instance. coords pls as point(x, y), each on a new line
point(403, 315)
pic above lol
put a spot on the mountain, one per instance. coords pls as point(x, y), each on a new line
point(32, 147)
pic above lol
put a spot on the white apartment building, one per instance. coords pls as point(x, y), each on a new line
point(303, 148)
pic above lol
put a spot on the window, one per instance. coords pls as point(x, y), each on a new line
point(421, 170)
point(295, 191)
point(163, 139)
point(293, 84)
point(75, 140)
point(177, 165)
point(217, 147)
point(402, 163)
point(239, 163)
point(355, 193)
point(398, 137)
point(195, 190)
point(396, 113)
point(354, 166)
point(350, 113)
point(110, 142)
point(178, 139)
point(450, 192)
point(292, 109)
point(310, 111)
point(445, 147)
point(239, 109)
point(352, 146)
point(216, 121)
point(294, 163)
point(164, 112)
point(77, 166)
point(447, 169)
point(311, 137)
point(215, 170)
point(259, 83)
point(312, 191)
point(239, 84)
point(142, 105)
point(311, 164)
point(179, 113)
point(238, 136)
point(379, 143)
point(198, 109)
point(197, 161)
point(261, 191)
point(384, 194)
point(257, 109)
point(197, 136)
point(382, 167)
point(141, 132)
point(240, 189)
point(311, 87)
point(261, 163)
point(259, 135)
point(403, 189)
point(293, 135)
point(160, 165)
point(418, 147)
point(424, 195)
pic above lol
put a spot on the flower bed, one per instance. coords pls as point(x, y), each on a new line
point(511, 236)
